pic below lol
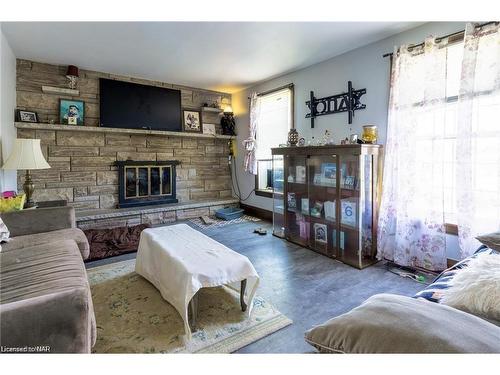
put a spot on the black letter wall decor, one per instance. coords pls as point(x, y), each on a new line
point(346, 102)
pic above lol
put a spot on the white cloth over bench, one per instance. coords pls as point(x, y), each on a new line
point(179, 260)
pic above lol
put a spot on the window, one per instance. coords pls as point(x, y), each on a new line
point(275, 119)
point(437, 130)
point(444, 137)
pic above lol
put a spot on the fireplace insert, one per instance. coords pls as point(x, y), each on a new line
point(146, 182)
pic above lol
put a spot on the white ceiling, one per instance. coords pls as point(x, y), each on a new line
point(214, 55)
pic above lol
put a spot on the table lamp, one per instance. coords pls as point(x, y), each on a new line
point(27, 155)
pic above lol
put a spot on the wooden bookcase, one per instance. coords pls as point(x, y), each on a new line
point(326, 198)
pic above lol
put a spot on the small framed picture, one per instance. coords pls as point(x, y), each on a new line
point(26, 116)
point(329, 174)
point(209, 129)
point(320, 233)
point(191, 121)
point(349, 182)
point(71, 112)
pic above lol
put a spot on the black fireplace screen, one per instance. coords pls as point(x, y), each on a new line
point(146, 182)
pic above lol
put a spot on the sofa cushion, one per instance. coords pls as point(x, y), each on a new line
point(47, 237)
point(435, 291)
point(388, 323)
point(491, 240)
point(45, 298)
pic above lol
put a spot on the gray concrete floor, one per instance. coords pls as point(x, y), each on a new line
point(305, 286)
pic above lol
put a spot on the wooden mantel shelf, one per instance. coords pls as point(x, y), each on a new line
point(96, 129)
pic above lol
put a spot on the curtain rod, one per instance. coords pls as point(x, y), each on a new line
point(289, 86)
point(456, 34)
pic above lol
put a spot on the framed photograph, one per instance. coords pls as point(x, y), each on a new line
point(304, 206)
point(191, 121)
point(329, 174)
point(300, 173)
point(329, 210)
point(209, 129)
point(320, 233)
point(26, 116)
point(71, 112)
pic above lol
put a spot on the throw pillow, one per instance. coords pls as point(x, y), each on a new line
point(12, 203)
point(476, 288)
point(492, 240)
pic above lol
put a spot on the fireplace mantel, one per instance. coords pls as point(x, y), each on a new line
point(96, 129)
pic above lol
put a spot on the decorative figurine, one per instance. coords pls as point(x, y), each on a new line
point(227, 122)
point(327, 138)
point(293, 137)
point(302, 142)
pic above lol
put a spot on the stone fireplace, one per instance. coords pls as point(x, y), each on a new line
point(143, 183)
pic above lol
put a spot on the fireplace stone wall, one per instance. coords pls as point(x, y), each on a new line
point(83, 169)
point(83, 163)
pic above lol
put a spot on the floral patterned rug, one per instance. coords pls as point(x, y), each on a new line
point(132, 317)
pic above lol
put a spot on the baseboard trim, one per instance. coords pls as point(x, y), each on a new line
point(261, 213)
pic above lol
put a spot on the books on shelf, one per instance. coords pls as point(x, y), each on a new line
point(329, 210)
point(292, 202)
point(341, 239)
point(304, 226)
point(304, 206)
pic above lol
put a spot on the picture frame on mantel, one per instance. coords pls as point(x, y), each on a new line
point(26, 116)
point(191, 121)
point(71, 112)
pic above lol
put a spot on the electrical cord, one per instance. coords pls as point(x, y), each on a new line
point(238, 193)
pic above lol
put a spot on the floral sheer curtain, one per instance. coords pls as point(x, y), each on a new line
point(250, 143)
point(411, 224)
point(442, 151)
point(478, 137)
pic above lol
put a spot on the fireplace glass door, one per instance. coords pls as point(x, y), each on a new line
point(146, 182)
point(131, 182)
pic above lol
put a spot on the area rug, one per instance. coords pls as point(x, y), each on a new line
point(222, 223)
point(132, 317)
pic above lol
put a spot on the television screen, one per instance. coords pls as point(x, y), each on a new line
point(133, 106)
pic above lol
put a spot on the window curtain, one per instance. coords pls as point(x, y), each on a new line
point(434, 144)
point(411, 229)
point(478, 137)
point(250, 143)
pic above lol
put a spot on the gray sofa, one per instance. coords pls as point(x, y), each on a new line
point(387, 323)
point(45, 300)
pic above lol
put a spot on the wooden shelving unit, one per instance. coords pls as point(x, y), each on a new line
point(347, 178)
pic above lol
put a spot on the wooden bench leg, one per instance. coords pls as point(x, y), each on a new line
point(242, 295)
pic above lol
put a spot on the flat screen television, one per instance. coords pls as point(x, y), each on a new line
point(134, 106)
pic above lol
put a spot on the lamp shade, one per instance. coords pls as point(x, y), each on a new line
point(228, 109)
point(26, 154)
point(72, 71)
